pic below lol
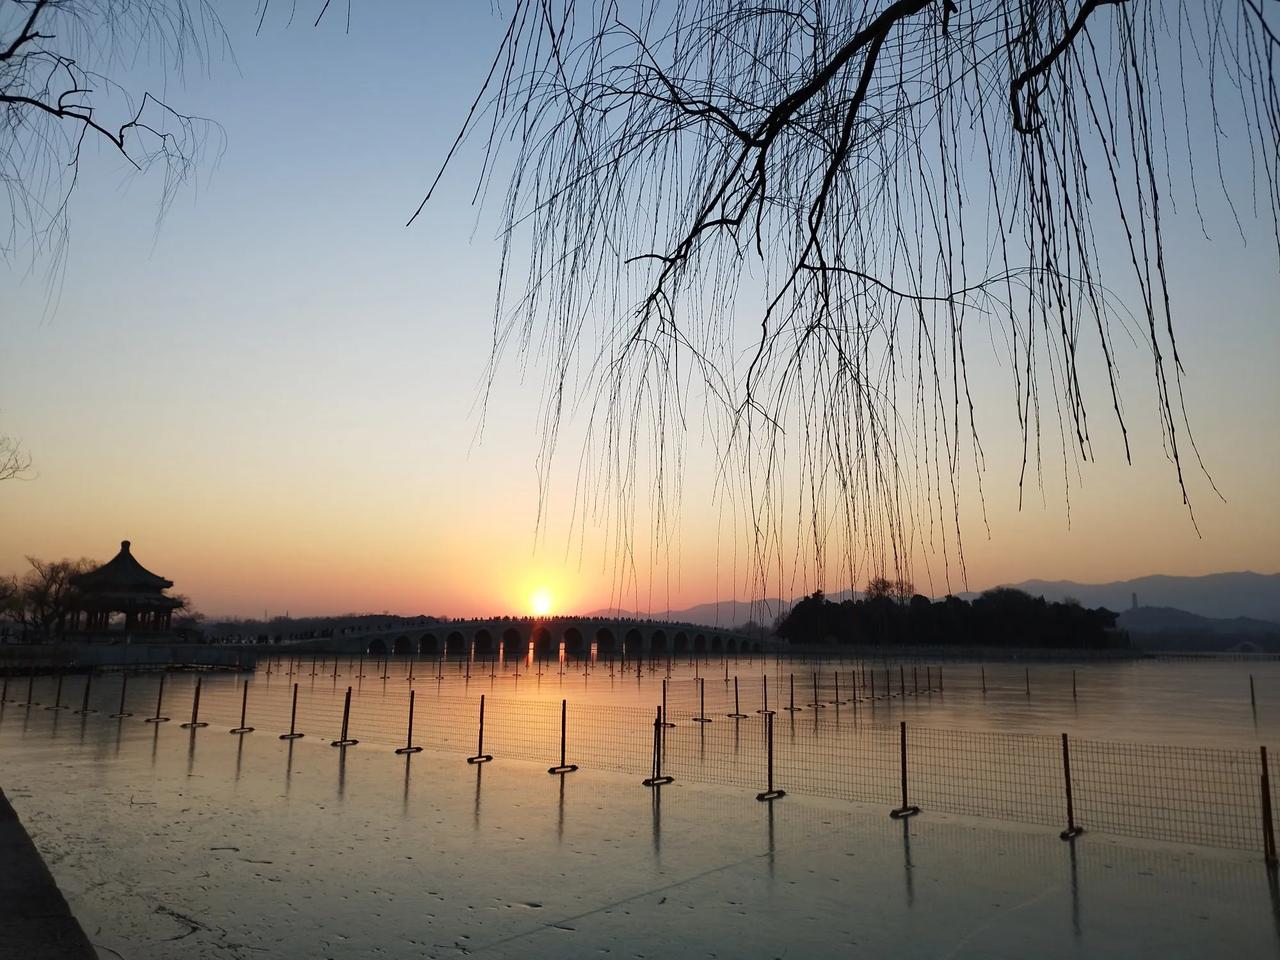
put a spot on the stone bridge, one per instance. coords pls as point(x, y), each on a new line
point(544, 637)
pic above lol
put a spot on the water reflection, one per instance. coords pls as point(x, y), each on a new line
point(475, 810)
point(907, 866)
point(656, 805)
point(1075, 891)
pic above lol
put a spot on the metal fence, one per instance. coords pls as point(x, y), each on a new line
point(829, 745)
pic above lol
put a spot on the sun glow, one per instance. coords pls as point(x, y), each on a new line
point(541, 602)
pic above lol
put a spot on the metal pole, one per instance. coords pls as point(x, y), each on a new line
point(159, 699)
point(657, 777)
point(765, 710)
point(344, 740)
point(293, 718)
point(124, 685)
point(1268, 827)
point(408, 737)
point(481, 756)
point(769, 793)
point(702, 702)
point(792, 708)
point(84, 704)
point(737, 710)
point(665, 721)
point(244, 708)
point(564, 724)
point(1072, 830)
point(57, 697)
point(984, 678)
point(906, 810)
point(195, 720)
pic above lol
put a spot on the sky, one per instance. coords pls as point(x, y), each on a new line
point(273, 391)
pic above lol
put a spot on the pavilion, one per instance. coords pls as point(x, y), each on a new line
point(123, 585)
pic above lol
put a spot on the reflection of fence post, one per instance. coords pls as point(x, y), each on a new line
point(737, 710)
point(906, 810)
point(940, 680)
point(1026, 673)
point(244, 709)
point(481, 756)
point(657, 778)
point(1073, 684)
point(702, 702)
point(1072, 830)
point(344, 740)
point(195, 720)
point(769, 792)
point(1268, 827)
point(564, 724)
point(124, 686)
point(293, 718)
point(408, 737)
point(159, 701)
point(983, 668)
point(84, 703)
point(31, 687)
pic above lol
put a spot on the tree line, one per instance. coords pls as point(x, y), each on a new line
point(40, 601)
point(891, 612)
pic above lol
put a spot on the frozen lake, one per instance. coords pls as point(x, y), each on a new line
point(171, 842)
point(238, 844)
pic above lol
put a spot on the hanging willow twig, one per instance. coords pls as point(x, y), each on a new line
point(876, 184)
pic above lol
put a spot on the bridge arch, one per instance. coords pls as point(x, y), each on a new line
point(717, 644)
point(428, 644)
point(484, 643)
point(658, 642)
point(455, 645)
point(700, 643)
point(605, 643)
point(400, 647)
point(513, 645)
point(680, 644)
point(633, 645)
point(542, 643)
point(573, 642)
point(377, 647)
point(731, 645)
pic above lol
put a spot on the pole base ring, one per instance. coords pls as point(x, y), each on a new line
point(766, 713)
point(241, 730)
point(57, 706)
point(736, 716)
point(666, 723)
point(903, 812)
point(701, 719)
point(291, 736)
point(156, 719)
point(84, 712)
point(1070, 833)
point(771, 795)
point(119, 716)
point(657, 781)
point(563, 768)
point(403, 750)
point(480, 758)
point(350, 742)
point(193, 724)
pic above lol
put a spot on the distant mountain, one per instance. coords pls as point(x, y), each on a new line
point(1228, 595)
point(1146, 620)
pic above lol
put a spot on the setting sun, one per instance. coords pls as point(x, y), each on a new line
point(541, 601)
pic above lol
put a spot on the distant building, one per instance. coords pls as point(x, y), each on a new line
point(122, 586)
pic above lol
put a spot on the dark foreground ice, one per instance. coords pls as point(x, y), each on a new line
point(170, 843)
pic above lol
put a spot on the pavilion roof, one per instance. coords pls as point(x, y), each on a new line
point(122, 574)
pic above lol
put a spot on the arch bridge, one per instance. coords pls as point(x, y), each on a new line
point(544, 638)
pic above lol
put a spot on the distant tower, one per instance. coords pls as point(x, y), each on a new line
point(1135, 600)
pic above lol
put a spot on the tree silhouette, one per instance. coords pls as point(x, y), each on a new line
point(805, 216)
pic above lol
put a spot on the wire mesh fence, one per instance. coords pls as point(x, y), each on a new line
point(711, 731)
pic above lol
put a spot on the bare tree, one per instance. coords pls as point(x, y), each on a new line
point(874, 187)
point(57, 95)
point(47, 594)
point(14, 463)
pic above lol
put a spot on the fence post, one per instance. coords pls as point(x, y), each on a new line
point(159, 700)
point(940, 690)
point(31, 686)
point(816, 705)
point(195, 720)
point(344, 740)
point(657, 778)
point(902, 681)
point(57, 697)
point(983, 668)
point(665, 721)
point(1253, 699)
point(481, 756)
point(408, 737)
point(293, 718)
point(1072, 830)
point(765, 709)
point(791, 707)
point(906, 810)
point(84, 703)
point(564, 723)
point(737, 710)
point(1073, 684)
point(1268, 826)
point(1026, 672)
point(769, 792)
point(244, 709)
point(702, 702)
point(124, 685)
